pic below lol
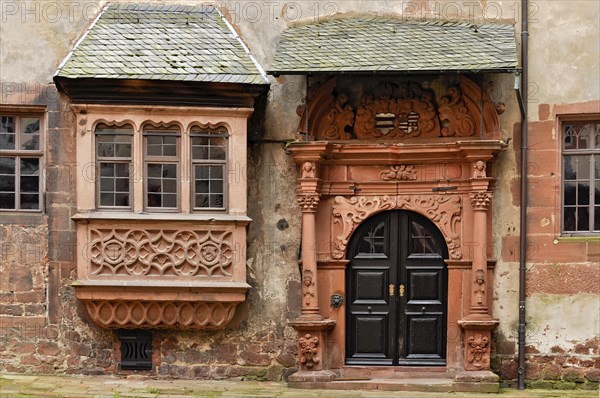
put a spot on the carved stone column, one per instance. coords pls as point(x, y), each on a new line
point(308, 201)
point(478, 324)
point(480, 202)
point(311, 326)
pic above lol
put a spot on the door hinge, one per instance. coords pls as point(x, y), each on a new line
point(401, 290)
point(391, 287)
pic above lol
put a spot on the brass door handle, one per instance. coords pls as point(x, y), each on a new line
point(391, 289)
point(401, 290)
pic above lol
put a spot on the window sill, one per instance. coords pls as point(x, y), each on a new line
point(23, 218)
point(578, 238)
point(160, 217)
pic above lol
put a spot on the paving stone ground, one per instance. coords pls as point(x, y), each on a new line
point(26, 386)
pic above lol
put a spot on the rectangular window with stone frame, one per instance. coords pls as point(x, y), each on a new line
point(21, 154)
point(580, 177)
point(114, 165)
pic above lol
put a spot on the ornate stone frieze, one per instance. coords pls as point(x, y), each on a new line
point(400, 172)
point(162, 252)
point(308, 201)
point(160, 314)
point(480, 200)
point(401, 110)
point(309, 350)
point(444, 211)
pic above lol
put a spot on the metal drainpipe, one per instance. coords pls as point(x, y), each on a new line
point(524, 196)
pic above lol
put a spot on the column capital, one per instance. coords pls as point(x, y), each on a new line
point(480, 200)
point(308, 201)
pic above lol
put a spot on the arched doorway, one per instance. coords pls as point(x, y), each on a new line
point(397, 291)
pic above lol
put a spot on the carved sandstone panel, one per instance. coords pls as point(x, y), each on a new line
point(405, 112)
point(163, 252)
point(444, 211)
point(161, 314)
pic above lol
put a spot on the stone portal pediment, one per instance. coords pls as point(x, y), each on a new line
point(402, 111)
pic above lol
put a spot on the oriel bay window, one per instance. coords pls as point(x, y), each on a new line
point(172, 170)
point(581, 177)
point(20, 162)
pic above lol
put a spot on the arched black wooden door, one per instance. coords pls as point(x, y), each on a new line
point(396, 288)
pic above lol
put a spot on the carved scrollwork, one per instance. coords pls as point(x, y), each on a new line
point(348, 213)
point(309, 351)
point(444, 211)
point(337, 120)
point(160, 315)
point(308, 201)
point(480, 200)
point(455, 116)
point(140, 252)
point(400, 172)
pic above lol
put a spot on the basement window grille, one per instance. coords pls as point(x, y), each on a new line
point(136, 350)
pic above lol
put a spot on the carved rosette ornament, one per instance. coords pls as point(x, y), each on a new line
point(308, 201)
point(400, 172)
point(477, 350)
point(444, 211)
point(308, 350)
point(480, 200)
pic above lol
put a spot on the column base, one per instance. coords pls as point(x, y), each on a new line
point(312, 345)
point(303, 376)
point(478, 335)
point(477, 381)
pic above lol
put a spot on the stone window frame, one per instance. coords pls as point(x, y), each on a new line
point(147, 130)
point(562, 120)
point(209, 131)
point(114, 159)
point(19, 112)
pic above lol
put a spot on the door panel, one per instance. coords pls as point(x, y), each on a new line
point(397, 292)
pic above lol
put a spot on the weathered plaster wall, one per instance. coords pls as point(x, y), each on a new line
point(563, 275)
point(564, 46)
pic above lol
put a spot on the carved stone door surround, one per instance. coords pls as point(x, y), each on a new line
point(443, 175)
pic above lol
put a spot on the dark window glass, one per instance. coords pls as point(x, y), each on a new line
point(20, 162)
point(581, 176)
point(114, 157)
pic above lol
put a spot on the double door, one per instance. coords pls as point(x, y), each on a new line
point(396, 290)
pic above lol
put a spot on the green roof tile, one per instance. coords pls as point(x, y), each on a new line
point(365, 44)
point(161, 42)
